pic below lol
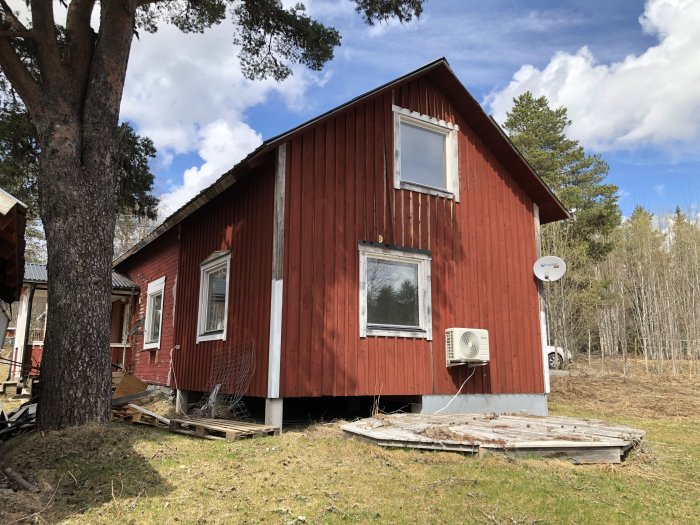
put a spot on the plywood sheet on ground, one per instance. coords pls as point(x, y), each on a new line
point(580, 440)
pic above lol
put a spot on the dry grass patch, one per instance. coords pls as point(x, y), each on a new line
point(120, 474)
point(637, 394)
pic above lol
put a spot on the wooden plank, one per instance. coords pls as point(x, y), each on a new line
point(329, 243)
point(149, 413)
point(123, 400)
point(579, 456)
point(129, 384)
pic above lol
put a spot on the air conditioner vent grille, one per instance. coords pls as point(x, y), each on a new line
point(466, 345)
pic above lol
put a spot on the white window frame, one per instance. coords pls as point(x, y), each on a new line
point(451, 133)
point(425, 312)
point(208, 266)
point(154, 288)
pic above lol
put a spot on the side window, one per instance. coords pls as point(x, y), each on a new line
point(395, 295)
point(213, 297)
point(425, 154)
point(154, 313)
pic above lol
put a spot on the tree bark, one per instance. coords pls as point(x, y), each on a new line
point(77, 207)
point(76, 126)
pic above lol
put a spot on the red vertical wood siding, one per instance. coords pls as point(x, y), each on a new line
point(339, 190)
point(240, 220)
point(158, 259)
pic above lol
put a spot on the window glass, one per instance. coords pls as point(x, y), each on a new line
point(423, 156)
point(155, 304)
point(216, 300)
point(392, 293)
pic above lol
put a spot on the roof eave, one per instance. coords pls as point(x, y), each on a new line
point(224, 182)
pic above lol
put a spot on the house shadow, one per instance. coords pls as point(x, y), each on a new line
point(81, 468)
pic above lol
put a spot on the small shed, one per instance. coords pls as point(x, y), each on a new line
point(13, 220)
point(32, 311)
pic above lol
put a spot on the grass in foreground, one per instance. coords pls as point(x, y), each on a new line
point(122, 474)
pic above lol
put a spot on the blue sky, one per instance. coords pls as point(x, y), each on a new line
point(627, 71)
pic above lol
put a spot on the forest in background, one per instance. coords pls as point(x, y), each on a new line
point(632, 287)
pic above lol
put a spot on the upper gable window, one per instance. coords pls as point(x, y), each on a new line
point(213, 297)
point(425, 154)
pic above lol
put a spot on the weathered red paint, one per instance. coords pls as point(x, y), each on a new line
point(340, 191)
point(239, 220)
point(156, 260)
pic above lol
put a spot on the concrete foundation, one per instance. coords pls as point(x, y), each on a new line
point(273, 411)
point(531, 404)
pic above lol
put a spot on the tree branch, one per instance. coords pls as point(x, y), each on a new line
point(19, 76)
point(10, 18)
point(105, 85)
point(48, 54)
point(16, 34)
point(80, 41)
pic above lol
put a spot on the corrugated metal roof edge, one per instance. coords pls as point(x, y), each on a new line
point(37, 273)
point(227, 180)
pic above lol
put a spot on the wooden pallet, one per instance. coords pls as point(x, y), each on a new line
point(221, 429)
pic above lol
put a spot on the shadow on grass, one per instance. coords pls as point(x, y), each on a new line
point(82, 468)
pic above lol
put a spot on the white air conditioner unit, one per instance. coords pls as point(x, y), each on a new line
point(466, 345)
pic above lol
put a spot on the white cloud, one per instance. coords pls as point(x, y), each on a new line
point(187, 93)
point(660, 189)
point(623, 193)
point(221, 146)
point(647, 99)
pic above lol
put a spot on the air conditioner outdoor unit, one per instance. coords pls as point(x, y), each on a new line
point(466, 345)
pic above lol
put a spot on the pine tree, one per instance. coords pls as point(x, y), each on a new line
point(71, 79)
point(578, 180)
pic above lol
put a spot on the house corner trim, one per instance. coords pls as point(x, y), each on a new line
point(275, 344)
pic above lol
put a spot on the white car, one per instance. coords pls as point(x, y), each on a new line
point(556, 356)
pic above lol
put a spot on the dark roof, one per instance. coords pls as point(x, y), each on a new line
point(36, 273)
point(551, 209)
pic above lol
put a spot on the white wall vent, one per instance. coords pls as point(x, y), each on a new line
point(466, 345)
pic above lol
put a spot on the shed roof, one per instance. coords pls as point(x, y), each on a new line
point(551, 209)
point(7, 201)
point(36, 273)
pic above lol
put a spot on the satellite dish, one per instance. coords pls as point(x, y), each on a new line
point(549, 268)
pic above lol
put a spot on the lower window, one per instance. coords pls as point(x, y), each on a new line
point(213, 297)
point(394, 292)
point(154, 313)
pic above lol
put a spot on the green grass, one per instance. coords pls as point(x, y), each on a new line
point(122, 474)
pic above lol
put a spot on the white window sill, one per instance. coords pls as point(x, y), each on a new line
point(151, 346)
point(430, 190)
point(412, 333)
point(219, 336)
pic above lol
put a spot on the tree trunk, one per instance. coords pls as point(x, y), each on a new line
point(77, 208)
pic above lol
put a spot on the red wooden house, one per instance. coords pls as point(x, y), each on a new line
point(346, 247)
